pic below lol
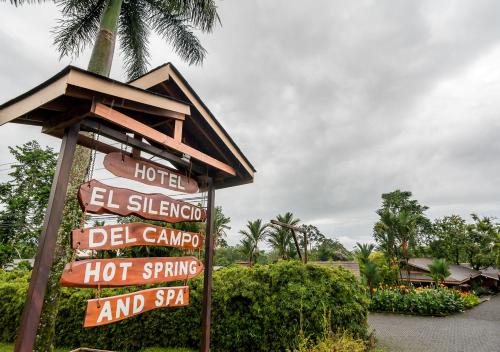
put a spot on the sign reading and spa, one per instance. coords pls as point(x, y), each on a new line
point(96, 197)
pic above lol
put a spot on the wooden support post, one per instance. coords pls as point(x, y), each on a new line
point(136, 152)
point(207, 283)
point(178, 130)
point(296, 244)
point(305, 247)
point(47, 243)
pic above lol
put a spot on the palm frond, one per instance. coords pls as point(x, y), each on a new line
point(134, 32)
point(200, 13)
point(78, 26)
point(174, 28)
point(22, 2)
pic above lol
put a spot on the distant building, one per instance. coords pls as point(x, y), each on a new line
point(460, 275)
point(352, 266)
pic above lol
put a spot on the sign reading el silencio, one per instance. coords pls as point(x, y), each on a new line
point(148, 173)
point(107, 310)
point(134, 234)
point(129, 271)
point(96, 197)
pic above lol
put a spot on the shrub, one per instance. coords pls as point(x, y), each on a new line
point(253, 309)
point(340, 342)
point(421, 301)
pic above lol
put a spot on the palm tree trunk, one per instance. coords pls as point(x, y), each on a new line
point(100, 63)
point(104, 47)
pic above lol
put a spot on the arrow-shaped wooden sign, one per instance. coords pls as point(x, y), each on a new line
point(149, 173)
point(101, 311)
point(96, 197)
point(134, 234)
point(129, 271)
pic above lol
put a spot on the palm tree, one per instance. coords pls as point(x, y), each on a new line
point(439, 270)
point(246, 248)
point(254, 233)
point(364, 251)
point(280, 238)
point(221, 225)
point(370, 274)
point(100, 22)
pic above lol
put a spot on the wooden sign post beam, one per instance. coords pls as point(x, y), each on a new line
point(207, 282)
point(45, 254)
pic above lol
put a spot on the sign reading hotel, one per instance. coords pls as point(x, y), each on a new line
point(148, 173)
point(96, 197)
point(107, 310)
point(134, 234)
point(129, 271)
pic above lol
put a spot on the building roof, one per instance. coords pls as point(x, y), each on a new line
point(459, 274)
point(489, 272)
point(352, 266)
point(148, 107)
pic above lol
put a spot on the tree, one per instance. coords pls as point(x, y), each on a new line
point(370, 274)
point(402, 226)
point(314, 236)
point(363, 252)
point(24, 199)
point(451, 237)
point(330, 249)
point(221, 225)
point(280, 238)
point(481, 239)
point(105, 20)
point(439, 270)
point(252, 235)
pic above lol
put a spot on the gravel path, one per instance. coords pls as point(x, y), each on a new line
point(476, 330)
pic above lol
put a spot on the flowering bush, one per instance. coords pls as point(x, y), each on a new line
point(421, 301)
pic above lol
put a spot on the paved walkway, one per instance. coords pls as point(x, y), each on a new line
point(476, 330)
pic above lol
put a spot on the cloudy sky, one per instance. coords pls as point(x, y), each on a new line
point(334, 102)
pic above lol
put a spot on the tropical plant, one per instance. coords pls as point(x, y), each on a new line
point(24, 198)
point(370, 273)
point(450, 238)
point(221, 225)
point(479, 246)
point(255, 232)
point(281, 238)
point(439, 270)
point(363, 252)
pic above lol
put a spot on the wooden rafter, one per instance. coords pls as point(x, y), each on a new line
point(133, 125)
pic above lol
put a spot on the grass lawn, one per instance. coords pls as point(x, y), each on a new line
point(8, 347)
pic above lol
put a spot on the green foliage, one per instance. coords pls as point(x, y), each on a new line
point(481, 239)
point(439, 270)
point(221, 225)
point(255, 232)
point(24, 198)
point(388, 273)
point(370, 273)
point(363, 252)
point(450, 238)
point(329, 249)
point(340, 342)
point(261, 308)
point(281, 239)
point(174, 21)
point(402, 227)
point(436, 301)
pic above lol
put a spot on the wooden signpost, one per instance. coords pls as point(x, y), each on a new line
point(148, 173)
point(129, 271)
point(101, 311)
point(134, 234)
point(96, 197)
point(169, 121)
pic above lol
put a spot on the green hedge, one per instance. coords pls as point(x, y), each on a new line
point(262, 308)
point(429, 301)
